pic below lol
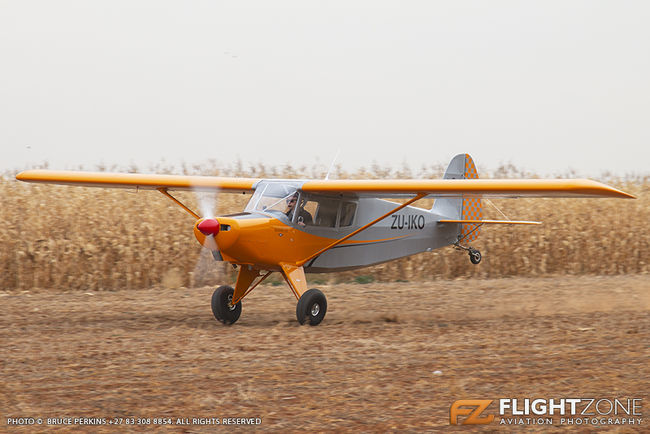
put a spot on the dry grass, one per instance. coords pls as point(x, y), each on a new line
point(387, 358)
point(90, 239)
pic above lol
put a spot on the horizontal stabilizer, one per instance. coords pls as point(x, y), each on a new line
point(492, 222)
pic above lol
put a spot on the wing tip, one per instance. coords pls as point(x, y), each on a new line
point(624, 195)
point(615, 192)
point(25, 175)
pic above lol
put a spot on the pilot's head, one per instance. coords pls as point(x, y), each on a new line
point(291, 200)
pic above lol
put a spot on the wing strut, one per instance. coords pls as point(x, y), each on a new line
point(366, 226)
point(163, 190)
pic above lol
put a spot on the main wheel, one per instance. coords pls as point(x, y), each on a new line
point(474, 256)
point(312, 306)
point(222, 307)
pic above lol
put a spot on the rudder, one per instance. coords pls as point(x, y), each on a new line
point(472, 208)
point(463, 208)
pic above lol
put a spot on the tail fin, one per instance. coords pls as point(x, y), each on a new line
point(462, 208)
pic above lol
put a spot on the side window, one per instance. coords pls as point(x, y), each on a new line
point(347, 213)
point(311, 207)
point(326, 215)
point(323, 211)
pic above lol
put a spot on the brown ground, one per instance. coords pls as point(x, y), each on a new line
point(387, 356)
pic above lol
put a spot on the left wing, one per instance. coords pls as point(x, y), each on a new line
point(467, 188)
point(140, 181)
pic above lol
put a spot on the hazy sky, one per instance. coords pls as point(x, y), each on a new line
point(546, 85)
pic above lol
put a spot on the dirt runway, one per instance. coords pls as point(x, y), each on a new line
point(386, 357)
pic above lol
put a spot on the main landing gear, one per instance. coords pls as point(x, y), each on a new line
point(222, 307)
point(311, 307)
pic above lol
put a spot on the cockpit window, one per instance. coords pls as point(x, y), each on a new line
point(272, 198)
point(323, 210)
point(347, 213)
point(286, 202)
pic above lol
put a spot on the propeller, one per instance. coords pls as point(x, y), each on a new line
point(204, 270)
point(207, 202)
point(208, 225)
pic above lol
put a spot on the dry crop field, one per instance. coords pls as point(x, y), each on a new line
point(108, 239)
point(105, 314)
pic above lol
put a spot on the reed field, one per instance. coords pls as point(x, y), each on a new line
point(76, 238)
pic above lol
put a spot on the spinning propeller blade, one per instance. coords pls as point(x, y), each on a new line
point(208, 226)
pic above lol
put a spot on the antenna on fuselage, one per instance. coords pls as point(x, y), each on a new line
point(332, 165)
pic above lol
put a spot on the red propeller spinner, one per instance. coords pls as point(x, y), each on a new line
point(209, 227)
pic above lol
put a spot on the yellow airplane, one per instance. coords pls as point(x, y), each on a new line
point(298, 226)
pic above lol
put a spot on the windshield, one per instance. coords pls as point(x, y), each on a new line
point(273, 198)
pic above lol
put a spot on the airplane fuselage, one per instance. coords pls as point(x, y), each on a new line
point(266, 237)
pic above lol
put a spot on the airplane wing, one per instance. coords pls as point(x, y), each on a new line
point(365, 188)
point(140, 181)
point(467, 188)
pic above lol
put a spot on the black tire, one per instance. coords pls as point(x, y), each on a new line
point(221, 308)
point(312, 306)
point(475, 256)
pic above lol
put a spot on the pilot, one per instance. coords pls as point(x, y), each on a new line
point(304, 218)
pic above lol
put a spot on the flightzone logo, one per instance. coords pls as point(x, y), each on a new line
point(541, 411)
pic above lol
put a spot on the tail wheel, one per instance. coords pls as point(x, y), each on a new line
point(222, 307)
point(474, 256)
point(312, 306)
